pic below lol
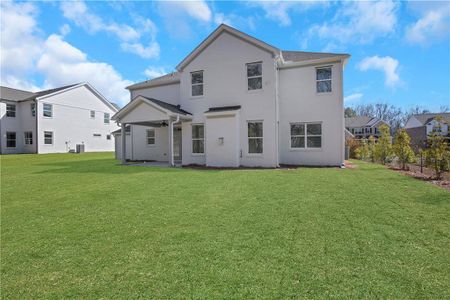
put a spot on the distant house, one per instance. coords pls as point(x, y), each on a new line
point(363, 126)
point(420, 126)
point(55, 120)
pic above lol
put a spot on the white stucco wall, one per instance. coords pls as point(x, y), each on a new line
point(168, 93)
point(225, 83)
point(299, 102)
point(71, 122)
point(222, 141)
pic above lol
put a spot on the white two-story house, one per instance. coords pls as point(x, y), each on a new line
point(237, 101)
point(55, 120)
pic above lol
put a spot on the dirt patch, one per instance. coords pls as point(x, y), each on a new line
point(349, 165)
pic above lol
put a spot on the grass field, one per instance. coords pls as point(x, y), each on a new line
point(81, 226)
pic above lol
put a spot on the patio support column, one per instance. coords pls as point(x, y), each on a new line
point(171, 160)
point(124, 143)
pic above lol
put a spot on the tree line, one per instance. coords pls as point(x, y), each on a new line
point(395, 116)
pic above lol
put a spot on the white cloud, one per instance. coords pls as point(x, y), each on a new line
point(62, 63)
point(53, 58)
point(220, 18)
point(434, 25)
point(386, 64)
point(153, 72)
point(19, 37)
point(64, 29)
point(359, 22)
point(130, 38)
point(196, 9)
point(353, 98)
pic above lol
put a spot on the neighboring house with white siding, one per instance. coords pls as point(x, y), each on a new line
point(364, 126)
point(55, 120)
point(237, 101)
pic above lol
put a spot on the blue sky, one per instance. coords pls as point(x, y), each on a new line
point(400, 50)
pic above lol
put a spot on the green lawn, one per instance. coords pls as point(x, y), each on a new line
point(76, 226)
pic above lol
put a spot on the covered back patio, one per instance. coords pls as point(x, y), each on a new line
point(157, 116)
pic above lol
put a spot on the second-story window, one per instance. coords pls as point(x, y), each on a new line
point(197, 83)
point(323, 80)
point(33, 109)
point(254, 76)
point(11, 110)
point(48, 110)
point(106, 118)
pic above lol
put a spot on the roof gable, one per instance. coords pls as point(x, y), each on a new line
point(215, 34)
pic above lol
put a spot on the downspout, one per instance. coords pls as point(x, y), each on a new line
point(277, 119)
point(36, 113)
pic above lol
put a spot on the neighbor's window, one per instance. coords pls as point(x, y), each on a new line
point(33, 109)
point(254, 76)
point(197, 83)
point(255, 137)
point(198, 138)
point(48, 110)
point(306, 135)
point(106, 118)
point(10, 139)
point(323, 80)
point(48, 137)
point(11, 110)
point(150, 136)
point(92, 113)
point(28, 135)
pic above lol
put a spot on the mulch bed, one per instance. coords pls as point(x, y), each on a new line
point(427, 175)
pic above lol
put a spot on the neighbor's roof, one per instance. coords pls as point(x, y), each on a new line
point(362, 121)
point(48, 92)
point(10, 94)
point(425, 118)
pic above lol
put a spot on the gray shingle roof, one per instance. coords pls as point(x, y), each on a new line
point(360, 121)
point(7, 93)
point(223, 108)
point(425, 118)
point(173, 77)
point(302, 55)
point(173, 108)
point(19, 95)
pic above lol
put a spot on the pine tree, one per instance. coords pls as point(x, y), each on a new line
point(402, 148)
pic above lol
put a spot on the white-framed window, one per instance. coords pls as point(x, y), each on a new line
point(254, 76)
point(48, 137)
point(28, 136)
point(97, 135)
point(92, 114)
point(11, 111)
point(48, 110)
point(106, 118)
point(33, 109)
point(306, 135)
point(150, 137)
point(255, 137)
point(323, 80)
point(198, 138)
point(197, 83)
point(10, 139)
